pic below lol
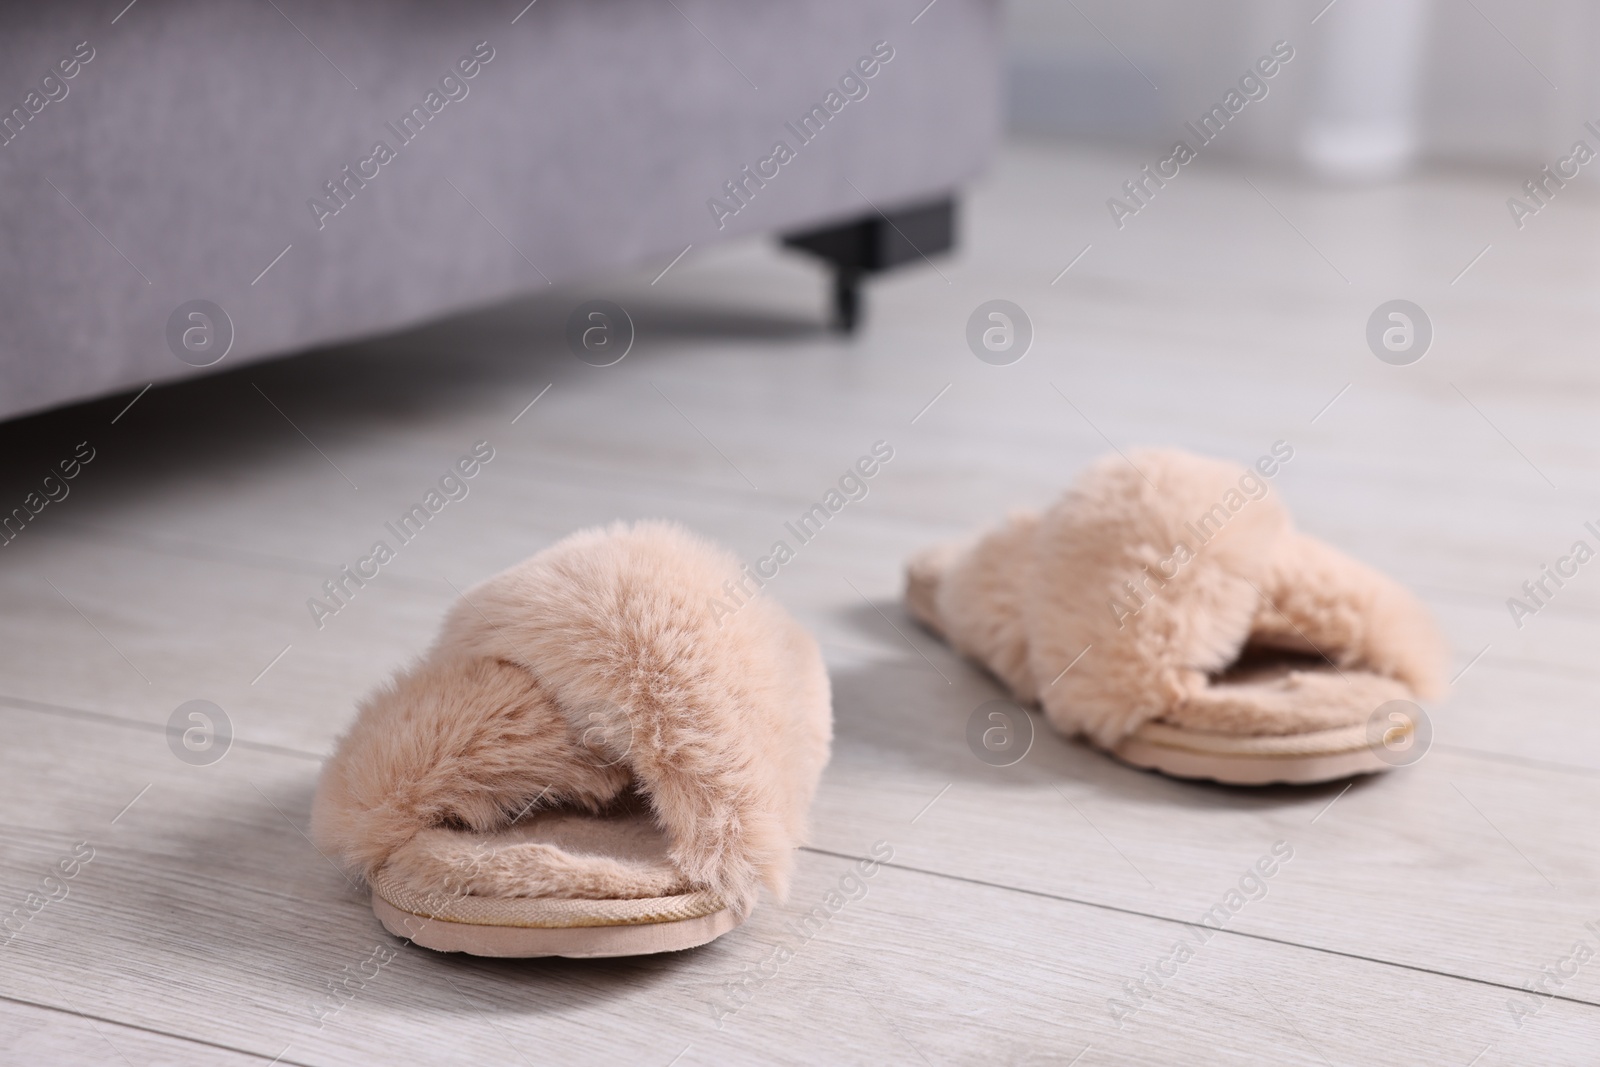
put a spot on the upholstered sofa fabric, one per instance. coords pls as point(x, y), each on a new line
point(185, 156)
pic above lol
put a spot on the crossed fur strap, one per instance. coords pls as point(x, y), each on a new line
point(593, 669)
point(1125, 600)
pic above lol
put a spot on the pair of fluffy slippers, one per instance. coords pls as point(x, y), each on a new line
point(590, 762)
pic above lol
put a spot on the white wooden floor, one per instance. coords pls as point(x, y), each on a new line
point(1019, 901)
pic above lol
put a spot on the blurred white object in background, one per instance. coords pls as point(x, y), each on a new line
point(1362, 112)
point(1376, 86)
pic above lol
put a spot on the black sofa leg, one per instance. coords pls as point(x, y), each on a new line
point(875, 243)
point(846, 299)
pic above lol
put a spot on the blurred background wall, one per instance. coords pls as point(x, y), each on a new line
point(1376, 86)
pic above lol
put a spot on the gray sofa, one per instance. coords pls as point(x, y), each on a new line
point(178, 151)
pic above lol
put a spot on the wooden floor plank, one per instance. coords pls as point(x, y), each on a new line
point(31, 1033)
point(204, 912)
point(1020, 900)
point(159, 603)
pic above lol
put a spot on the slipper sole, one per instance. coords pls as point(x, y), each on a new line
point(574, 942)
point(1293, 759)
point(534, 926)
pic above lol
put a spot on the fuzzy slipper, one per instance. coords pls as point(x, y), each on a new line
point(589, 761)
point(1167, 610)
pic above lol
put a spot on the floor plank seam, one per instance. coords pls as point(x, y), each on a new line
point(158, 1033)
point(180, 549)
point(358, 906)
point(1041, 894)
point(107, 719)
point(1520, 761)
point(201, 553)
point(1543, 667)
point(1577, 609)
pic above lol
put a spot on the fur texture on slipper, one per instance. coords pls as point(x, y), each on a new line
point(1165, 569)
point(587, 675)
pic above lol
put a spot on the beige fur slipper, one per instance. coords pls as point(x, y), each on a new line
point(1166, 609)
point(589, 761)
